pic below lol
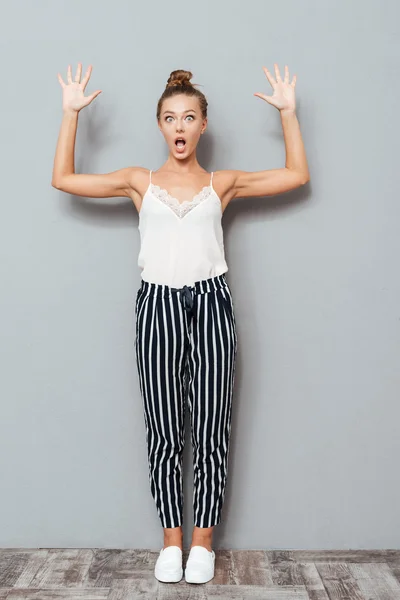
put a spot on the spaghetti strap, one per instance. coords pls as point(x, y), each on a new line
point(212, 173)
point(150, 176)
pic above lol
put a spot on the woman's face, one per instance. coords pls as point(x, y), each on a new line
point(181, 118)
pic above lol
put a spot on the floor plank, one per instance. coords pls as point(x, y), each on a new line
point(116, 574)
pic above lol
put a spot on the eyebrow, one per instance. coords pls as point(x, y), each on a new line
point(172, 112)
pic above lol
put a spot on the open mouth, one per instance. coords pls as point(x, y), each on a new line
point(180, 142)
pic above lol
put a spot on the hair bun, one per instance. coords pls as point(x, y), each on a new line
point(179, 77)
point(179, 83)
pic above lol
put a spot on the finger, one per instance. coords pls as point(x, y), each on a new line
point(86, 77)
point(263, 97)
point(269, 77)
point(69, 74)
point(93, 96)
point(60, 79)
point(78, 73)
point(286, 74)
point(294, 80)
point(277, 73)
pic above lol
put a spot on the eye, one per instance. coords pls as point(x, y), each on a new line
point(169, 117)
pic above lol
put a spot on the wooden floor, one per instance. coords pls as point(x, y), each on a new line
point(97, 574)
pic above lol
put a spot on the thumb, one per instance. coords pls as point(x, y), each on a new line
point(93, 96)
point(263, 97)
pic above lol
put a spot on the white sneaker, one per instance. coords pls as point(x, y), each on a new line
point(200, 565)
point(169, 564)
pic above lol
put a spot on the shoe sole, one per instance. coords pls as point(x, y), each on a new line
point(169, 577)
point(194, 579)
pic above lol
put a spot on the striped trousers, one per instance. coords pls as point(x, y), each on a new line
point(186, 342)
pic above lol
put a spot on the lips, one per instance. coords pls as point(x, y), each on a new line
point(180, 144)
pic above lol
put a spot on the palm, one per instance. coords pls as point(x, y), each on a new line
point(73, 97)
point(283, 96)
point(73, 91)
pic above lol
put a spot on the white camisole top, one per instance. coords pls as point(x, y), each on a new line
point(180, 242)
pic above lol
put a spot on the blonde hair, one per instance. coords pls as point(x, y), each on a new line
point(179, 83)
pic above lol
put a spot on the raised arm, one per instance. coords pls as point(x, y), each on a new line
point(295, 173)
point(64, 178)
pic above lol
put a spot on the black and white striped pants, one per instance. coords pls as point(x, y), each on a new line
point(187, 335)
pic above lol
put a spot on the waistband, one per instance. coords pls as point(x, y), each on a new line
point(186, 292)
point(199, 287)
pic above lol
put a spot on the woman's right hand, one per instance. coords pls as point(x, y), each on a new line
point(73, 98)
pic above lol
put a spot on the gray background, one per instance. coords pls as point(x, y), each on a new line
point(314, 272)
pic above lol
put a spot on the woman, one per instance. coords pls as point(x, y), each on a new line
point(185, 323)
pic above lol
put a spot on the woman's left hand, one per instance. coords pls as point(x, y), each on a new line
point(283, 97)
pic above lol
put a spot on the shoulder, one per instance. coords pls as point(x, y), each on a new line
point(225, 177)
point(139, 179)
point(224, 185)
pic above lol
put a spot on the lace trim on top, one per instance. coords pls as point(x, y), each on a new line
point(180, 208)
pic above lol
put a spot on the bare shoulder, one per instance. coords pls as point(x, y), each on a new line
point(224, 185)
point(139, 179)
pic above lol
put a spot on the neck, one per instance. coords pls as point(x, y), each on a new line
point(188, 164)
